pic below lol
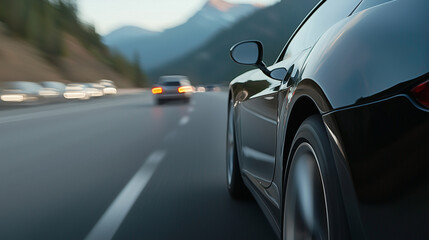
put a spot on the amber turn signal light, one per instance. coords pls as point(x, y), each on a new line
point(184, 89)
point(157, 90)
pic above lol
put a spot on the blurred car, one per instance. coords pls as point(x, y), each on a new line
point(76, 91)
point(201, 89)
point(109, 87)
point(332, 139)
point(20, 92)
point(172, 87)
point(94, 89)
point(212, 88)
point(53, 89)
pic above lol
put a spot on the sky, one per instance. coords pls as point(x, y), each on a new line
point(155, 15)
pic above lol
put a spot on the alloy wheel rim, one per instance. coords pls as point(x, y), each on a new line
point(305, 214)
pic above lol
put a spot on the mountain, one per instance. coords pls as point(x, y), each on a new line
point(127, 32)
point(211, 63)
point(176, 42)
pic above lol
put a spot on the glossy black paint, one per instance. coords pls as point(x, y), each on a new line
point(386, 149)
point(356, 74)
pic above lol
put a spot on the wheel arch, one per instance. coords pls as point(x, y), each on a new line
point(303, 108)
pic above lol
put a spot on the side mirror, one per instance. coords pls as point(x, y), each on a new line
point(279, 74)
point(249, 53)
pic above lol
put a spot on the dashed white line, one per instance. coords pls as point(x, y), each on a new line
point(109, 223)
point(191, 109)
point(184, 120)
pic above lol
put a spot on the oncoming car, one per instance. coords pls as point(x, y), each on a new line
point(172, 87)
point(332, 139)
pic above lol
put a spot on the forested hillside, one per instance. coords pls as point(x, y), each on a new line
point(53, 27)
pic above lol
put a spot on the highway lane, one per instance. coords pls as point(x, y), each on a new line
point(68, 168)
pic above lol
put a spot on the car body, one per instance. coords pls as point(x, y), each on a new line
point(21, 92)
point(53, 90)
point(172, 87)
point(212, 88)
point(94, 89)
point(76, 91)
point(109, 87)
point(331, 140)
point(200, 89)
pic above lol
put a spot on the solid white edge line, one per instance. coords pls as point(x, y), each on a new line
point(109, 223)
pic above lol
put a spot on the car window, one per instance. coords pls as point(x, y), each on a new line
point(327, 14)
point(171, 84)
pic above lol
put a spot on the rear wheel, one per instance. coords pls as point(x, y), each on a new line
point(236, 187)
point(311, 185)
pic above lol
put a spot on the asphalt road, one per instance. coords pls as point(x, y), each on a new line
point(120, 168)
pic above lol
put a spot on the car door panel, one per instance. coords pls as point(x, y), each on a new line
point(258, 124)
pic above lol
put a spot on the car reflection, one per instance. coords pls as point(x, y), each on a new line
point(201, 89)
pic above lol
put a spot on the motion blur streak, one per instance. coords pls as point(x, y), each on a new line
point(12, 98)
point(116, 213)
point(48, 93)
point(70, 110)
point(74, 95)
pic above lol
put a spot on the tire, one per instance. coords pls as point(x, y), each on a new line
point(160, 101)
point(234, 180)
point(311, 200)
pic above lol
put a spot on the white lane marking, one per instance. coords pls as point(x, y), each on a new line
point(67, 110)
point(191, 109)
point(184, 120)
point(109, 223)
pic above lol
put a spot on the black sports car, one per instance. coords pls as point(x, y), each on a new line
point(333, 139)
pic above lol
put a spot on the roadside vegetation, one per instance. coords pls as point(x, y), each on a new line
point(45, 23)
